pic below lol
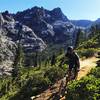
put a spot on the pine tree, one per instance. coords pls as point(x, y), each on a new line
point(36, 59)
point(19, 57)
point(18, 62)
point(61, 51)
point(53, 60)
point(39, 60)
point(78, 38)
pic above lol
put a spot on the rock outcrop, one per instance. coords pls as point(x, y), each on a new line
point(52, 26)
point(11, 33)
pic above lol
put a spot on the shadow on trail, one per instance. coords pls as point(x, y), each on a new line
point(62, 89)
point(54, 96)
point(58, 95)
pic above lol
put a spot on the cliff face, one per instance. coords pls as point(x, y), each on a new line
point(11, 32)
point(52, 26)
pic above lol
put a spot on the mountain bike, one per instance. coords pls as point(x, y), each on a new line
point(68, 77)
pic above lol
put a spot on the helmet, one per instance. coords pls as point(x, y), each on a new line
point(69, 48)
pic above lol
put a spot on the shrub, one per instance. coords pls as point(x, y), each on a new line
point(87, 52)
point(88, 44)
point(33, 86)
point(54, 73)
point(95, 72)
point(87, 88)
point(30, 81)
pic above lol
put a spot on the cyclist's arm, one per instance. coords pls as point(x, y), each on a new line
point(78, 61)
point(78, 64)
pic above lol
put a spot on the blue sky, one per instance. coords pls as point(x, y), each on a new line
point(73, 9)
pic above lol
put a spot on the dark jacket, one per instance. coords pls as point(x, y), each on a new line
point(73, 59)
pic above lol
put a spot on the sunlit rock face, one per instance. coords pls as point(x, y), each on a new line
point(52, 26)
point(19, 32)
point(11, 33)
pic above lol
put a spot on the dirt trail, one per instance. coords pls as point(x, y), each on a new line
point(86, 66)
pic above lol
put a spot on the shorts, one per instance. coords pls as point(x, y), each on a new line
point(73, 66)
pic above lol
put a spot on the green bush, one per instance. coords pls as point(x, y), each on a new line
point(92, 41)
point(54, 73)
point(88, 44)
point(30, 81)
point(95, 72)
point(87, 52)
point(33, 86)
point(87, 88)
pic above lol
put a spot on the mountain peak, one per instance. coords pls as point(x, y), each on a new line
point(58, 14)
point(98, 20)
point(58, 9)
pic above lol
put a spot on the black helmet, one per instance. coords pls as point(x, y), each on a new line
point(69, 48)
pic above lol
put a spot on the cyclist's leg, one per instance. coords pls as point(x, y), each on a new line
point(75, 72)
point(69, 72)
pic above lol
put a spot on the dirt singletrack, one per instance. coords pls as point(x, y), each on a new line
point(86, 66)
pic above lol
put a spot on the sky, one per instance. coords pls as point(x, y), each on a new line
point(73, 9)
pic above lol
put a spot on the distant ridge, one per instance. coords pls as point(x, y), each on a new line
point(82, 23)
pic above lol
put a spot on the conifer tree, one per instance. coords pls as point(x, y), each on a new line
point(19, 57)
point(53, 60)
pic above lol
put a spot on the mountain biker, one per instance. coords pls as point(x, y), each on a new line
point(73, 62)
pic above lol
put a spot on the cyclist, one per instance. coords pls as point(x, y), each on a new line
point(73, 62)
